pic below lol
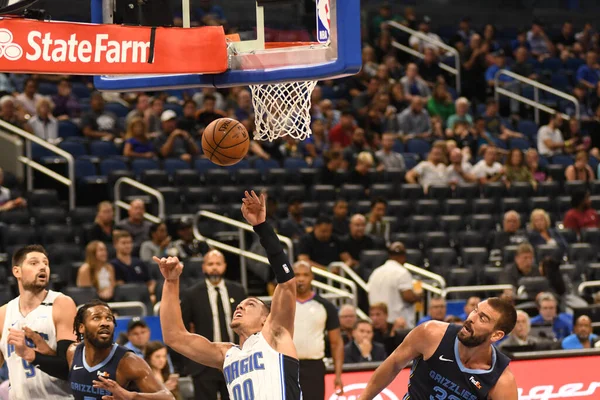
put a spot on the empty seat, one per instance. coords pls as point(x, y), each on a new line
point(57, 234)
point(484, 206)
point(563, 204)
point(410, 240)
point(421, 223)
point(550, 189)
point(399, 208)
point(394, 176)
point(428, 207)
point(229, 194)
point(154, 177)
point(81, 216)
point(175, 164)
point(574, 186)
point(202, 165)
point(542, 202)
point(19, 235)
point(17, 216)
point(571, 271)
point(385, 190)
point(275, 176)
point(547, 250)
point(414, 257)
point(217, 177)
point(140, 165)
point(492, 275)
point(360, 207)
point(81, 295)
point(186, 178)
point(467, 190)
point(456, 207)
point(591, 236)
point(172, 197)
point(43, 198)
point(568, 234)
point(594, 187)
point(411, 191)
point(197, 195)
point(103, 149)
point(132, 292)
point(435, 239)
point(289, 192)
point(460, 277)
point(441, 259)
point(508, 253)
point(352, 192)
point(67, 129)
point(76, 149)
point(471, 239)
point(294, 163)
point(248, 176)
point(482, 222)
point(474, 257)
point(521, 190)
point(493, 190)
point(49, 215)
point(582, 253)
point(439, 192)
point(308, 176)
point(371, 259)
point(452, 223)
point(417, 146)
point(322, 193)
point(63, 253)
point(513, 203)
point(532, 285)
point(110, 164)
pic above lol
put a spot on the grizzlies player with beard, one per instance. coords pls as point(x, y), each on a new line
point(454, 362)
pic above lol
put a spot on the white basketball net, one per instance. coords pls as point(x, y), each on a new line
point(282, 109)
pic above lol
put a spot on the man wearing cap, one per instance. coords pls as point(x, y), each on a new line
point(419, 44)
point(138, 336)
point(173, 142)
point(392, 284)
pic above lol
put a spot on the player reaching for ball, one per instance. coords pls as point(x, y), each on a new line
point(265, 365)
point(453, 362)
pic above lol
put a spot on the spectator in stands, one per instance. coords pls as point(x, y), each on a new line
point(187, 245)
point(520, 335)
point(596, 298)
point(209, 112)
point(436, 311)
point(382, 329)
point(523, 266)
point(13, 115)
point(153, 114)
point(494, 124)
point(581, 215)
point(516, 170)
point(341, 225)
point(575, 140)
point(359, 175)
point(138, 335)
point(521, 65)
point(462, 114)
point(156, 356)
point(470, 305)
point(378, 22)
point(392, 284)
point(566, 38)
point(174, 142)
point(582, 336)
point(142, 105)
point(413, 84)
point(532, 160)
point(157, 245)
point(320, 247)
point(333, 162)
point(244, 108)
point(66, 104)
point(541, 45)
point(129, 269)
point(188, 122)
point(489, 37)
point(348, 317)
point(295, 225)
point(589, 73)
point(376, 224)
point(586, 113)
point(540, 232)
point(362, 348)
point(398, 99)
point(414, 122)
point(317, 144)
point(96, 272)
point(520, 41)
point(430, 172)
point(429, 69)
point(356, 241)
point(7, 202)
point(459, 170)
point(440, 103)
point(488, 169)
point(387, 156)
point(30, 97)
point(137, 142)
point(474, 64)
point(99, 123)
point(102, 229)
point(419, 44)
point(43, 123)
point(464, 32)
point(357, 146)
point(340, 135)
point(580, 170)
point(369, 61)
point(547, 306)
point(135, 223)
point(511, 233)
point(361, 102)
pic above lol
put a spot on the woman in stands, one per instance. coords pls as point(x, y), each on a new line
point(103, 224)
point(516, 170)
point(532, 160)
point(96, 272)
point(540, 232)
point(155, 355)
point(137, 143)
point(157, 245)
point(580, 170)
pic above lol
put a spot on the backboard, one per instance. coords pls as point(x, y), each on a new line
point(275, 43)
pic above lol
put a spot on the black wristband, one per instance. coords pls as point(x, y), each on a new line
point(280, 264)
point(55, 366)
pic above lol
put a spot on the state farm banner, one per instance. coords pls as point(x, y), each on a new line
point(556, 378)
point(90, 49)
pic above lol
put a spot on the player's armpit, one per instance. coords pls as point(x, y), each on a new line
point(63, 314)
point(134, 369)
point(505, 388)
point(199, 349)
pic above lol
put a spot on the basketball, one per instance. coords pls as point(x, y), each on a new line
point(225, 141)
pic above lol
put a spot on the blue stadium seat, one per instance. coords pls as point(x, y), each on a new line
point(552, 64)
point(418, 146)
point(140, 165)
point(108, 165)
point(186, 178)
point(117, 108)
point(76, 149)
point(84, 168)
point(204, 164)
point(560, 82)
point(411, 160)
point(67, 129)
point(173, 164)
point(80, 90)
point(294, 163)
point(519, 143)
point(38, 152)
point(562, 159)
point(238, 165)
point(103, 149)
point(527, 128)
point(264, 165)
point(47, 88)
point(398, 146)
point(573, 64)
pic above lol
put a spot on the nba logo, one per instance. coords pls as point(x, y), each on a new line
point(323, 21)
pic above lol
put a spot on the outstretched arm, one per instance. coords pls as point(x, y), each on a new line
point(175, 335)
point(283, 305)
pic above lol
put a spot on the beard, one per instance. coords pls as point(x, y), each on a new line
point(98, 343)
point(214, 278)
point(34, 286)
point(470, 339)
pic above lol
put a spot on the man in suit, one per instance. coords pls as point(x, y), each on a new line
point(207, 308)
point(362, 348)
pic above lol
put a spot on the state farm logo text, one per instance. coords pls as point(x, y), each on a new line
point(46, 47)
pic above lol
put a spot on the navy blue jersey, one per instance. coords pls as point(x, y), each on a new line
point(82, 375)
point(443, 376)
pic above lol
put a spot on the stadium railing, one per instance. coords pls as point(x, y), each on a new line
point(127, 305)
point(535, 103)
point(29, 162)
point(452, 70)
point(144, 188)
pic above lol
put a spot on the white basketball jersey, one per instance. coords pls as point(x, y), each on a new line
point(26, 381)
point(258, 372)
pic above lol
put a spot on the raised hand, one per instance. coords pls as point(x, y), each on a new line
point(118, 393)
point(254, 208)
point(16, 338)
point(170, 267)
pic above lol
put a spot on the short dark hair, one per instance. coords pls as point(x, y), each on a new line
point(190, 101)
point(491, 101)
point(154, 228)
point(266, 307)
point(323, 219)
point(209, 96)
point(360, 322)
point(80, 316)
point(577, 197)
point(508, 314)
point(20, 254)
point(378, 200)
point(30, 79)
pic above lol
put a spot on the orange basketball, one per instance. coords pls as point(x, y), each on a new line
point(225, 141)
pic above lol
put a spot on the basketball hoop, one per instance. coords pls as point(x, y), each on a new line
point(282, 109)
